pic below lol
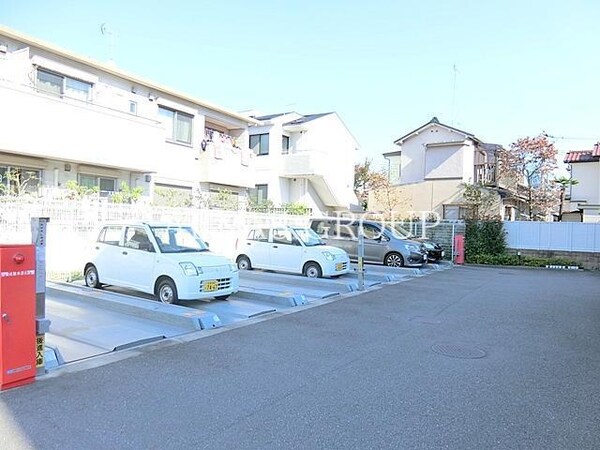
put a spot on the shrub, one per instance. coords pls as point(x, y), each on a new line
point(484, 238)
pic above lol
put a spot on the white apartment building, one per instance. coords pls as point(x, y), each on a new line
point(66, 118)
point(304, 159)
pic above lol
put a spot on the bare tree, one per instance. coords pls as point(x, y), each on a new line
point(364, 179)
point(386, 194)
point(529, 162)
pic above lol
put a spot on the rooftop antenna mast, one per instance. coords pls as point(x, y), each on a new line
point(455, 70)
point(111, 35)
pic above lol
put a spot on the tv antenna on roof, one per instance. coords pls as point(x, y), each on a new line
point(455, 70)
point(107, 31)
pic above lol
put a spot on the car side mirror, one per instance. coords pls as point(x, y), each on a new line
point(207, 244)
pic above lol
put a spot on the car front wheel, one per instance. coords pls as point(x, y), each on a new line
point(166, 292)
point(243, 263)
point(91, 277)
point(312, 270)
point(394, 260)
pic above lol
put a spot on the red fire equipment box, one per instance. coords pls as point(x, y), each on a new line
point(17, 315)
point(459, 249)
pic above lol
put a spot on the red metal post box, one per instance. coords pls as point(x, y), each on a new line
point(459, 249)
point(17, 315)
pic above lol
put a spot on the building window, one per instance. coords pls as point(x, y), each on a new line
point(57, 84)
point(19, 180)
point(259, 194)
point(259, 143)
point(105, 186)
point(455, 212)
point(133, 107)
point(178, 125)
point(285, 145)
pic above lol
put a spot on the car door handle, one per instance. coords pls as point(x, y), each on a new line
point(124, 253)
point(275, 246)
point(248, 243)
point(5, 317)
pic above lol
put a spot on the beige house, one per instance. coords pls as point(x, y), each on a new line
point(583, 199)
point(431, 165)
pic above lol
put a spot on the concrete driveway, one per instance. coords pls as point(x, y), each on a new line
point(469, 358)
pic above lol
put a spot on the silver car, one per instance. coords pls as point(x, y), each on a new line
point(382, 246)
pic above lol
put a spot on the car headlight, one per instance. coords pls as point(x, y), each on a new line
point(329, 256)
point(233, 267)
point(190, 269)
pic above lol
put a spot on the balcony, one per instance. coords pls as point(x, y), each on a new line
point(485, 174)
point(320, 169)
point(53, 127)
point(224, 161)
point(305, 163)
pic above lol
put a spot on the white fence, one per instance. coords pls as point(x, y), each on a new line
point(72, 227)
point(562, 236)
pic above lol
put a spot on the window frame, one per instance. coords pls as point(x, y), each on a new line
point(285, 144)
point(35, 189)
point(64, 92)
point(259, 148)
point(97, 178)
point(174, 138)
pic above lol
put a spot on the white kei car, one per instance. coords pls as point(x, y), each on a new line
point(291, 249)
point(169, 261)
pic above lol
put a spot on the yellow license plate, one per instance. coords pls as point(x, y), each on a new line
point(339, 266)
point(210, 285)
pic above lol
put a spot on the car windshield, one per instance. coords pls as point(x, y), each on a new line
point(399, 231)
point(308, 237)
point(177, 239)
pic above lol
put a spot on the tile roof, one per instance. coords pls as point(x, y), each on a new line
point(582, 156)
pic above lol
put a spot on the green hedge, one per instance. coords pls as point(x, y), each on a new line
point(506, 259)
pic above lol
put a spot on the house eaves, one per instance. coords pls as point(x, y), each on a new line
point(435, 121)
point(33, 42)
point(581, 156)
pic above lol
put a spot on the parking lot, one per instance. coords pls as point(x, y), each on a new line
point(469, 358)
point(90, 322)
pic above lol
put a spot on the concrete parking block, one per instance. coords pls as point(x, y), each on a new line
point(291, 281)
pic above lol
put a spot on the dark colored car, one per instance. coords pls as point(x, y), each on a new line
point(435, 252)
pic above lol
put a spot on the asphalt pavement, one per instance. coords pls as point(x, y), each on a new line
point(467, 358)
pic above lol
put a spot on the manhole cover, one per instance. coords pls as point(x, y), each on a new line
point(458, 351)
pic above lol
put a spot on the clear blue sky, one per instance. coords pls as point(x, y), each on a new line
point(385, 67)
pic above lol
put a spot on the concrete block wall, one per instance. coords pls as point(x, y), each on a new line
point(587, 260)
point(442, 233)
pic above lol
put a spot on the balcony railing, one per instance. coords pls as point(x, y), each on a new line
point(485, 174)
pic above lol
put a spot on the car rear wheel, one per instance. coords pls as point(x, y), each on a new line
point(243, 263)
point(394, 260)
point(91, 277)
point(166, 291)
point(313, 270)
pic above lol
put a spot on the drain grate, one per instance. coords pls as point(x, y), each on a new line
point(458, 351)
